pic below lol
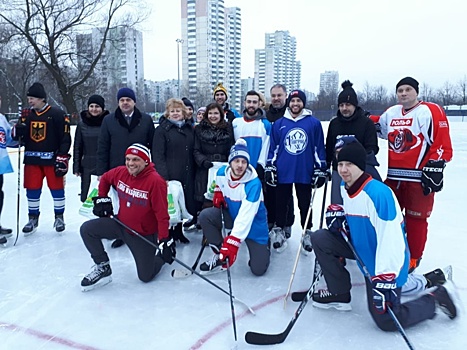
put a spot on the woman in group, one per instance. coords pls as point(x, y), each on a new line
point(85, 143)
point(172, 154)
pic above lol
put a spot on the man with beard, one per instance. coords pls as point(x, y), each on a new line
point(296, 157)
point(220, 96)
point(351, 122)
point(255, 129)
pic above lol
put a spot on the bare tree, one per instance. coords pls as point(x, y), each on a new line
point(427, 93)
point(51, 27)
point(446, 94)
point(462, 90)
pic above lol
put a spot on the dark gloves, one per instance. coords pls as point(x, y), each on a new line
point(102, 207)
point(207, 164)
point(167, 250)
point(336, 220)
point(270, 175)
point(384, 292)
point(260, 172)
point(20, 130)
point(61, 164)
point(432, 176)
point(319, 176)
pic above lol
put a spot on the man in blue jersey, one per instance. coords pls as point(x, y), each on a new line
point(238, 208)
point(374, 224)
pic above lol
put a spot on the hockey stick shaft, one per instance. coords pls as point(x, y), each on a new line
point(18, 206)
point(182, 263)
point(323, 205)
point(182, 273)
point(368, 277)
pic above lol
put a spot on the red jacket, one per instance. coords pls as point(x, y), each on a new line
point(142, 199)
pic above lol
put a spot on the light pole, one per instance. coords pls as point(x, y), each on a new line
point(179, 41)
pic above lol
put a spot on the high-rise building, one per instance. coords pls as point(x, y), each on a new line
point(329, 81)
point(211, 48)
point(277, 63)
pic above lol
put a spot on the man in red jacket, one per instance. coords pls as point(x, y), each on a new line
point(142, 195)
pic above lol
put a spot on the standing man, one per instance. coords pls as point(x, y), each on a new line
point(45, 133)
point(220, 96)
point(119, 130)
point(296, 157)
point(419, 146)
point(142, 195)
point(237, 205)
point(374, 224)
point(351, 120)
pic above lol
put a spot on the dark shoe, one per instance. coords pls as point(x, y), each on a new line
point(306, 243)
point(3, 240)
point(6, 232)
point(288, 231)
point(59, 223)
point(435, 278)
point(190, 222)
point(31, 226)
point(117, 243)
point(445, 302)
point(211, 266)
point(176, 233)
point(99, 276)
point(323, 299)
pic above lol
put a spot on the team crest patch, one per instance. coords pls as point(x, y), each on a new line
point(295, 141)
point(38, 131)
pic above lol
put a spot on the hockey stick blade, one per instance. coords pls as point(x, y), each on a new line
point(176, 273)
point(298, 296)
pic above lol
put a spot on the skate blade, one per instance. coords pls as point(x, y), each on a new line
point(26, 234)
point(102, 282)
point(181, 273)
point(448, 272)
point(337, 306)
point(212, 272)
point(305, 252)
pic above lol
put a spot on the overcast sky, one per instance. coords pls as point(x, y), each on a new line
point(374, 41)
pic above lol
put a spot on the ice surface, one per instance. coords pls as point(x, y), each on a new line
point(42, 306)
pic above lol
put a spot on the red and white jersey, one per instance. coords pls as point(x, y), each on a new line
point(414, 137)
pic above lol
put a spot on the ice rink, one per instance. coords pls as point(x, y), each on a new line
point(42, 306)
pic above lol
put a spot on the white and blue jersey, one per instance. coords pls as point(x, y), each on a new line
point(377, 229)
point(5, 141)
point(245, 203)
point(297, 148)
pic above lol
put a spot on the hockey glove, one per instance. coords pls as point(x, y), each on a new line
point(270, 175)
point(260, 171)
point(207, 164)
point(432, 176)
point(384, 292)
point(229, 249)
point(102, 207)
point(61, 164)
point(319, 177)
point(20, 130)
point(218, 199)
point(167, 250)
point(336, 220)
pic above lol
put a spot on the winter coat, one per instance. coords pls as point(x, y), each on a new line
point(116, 136)
point(85, 142)
point(172, 154)
point(212, 144)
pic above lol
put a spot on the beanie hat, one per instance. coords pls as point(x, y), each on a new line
point(126, 92)
point(344, 140)
point(139, 150)
point(187, 103)
point(354, 153)
point(98, 100)
point(201, 109)
point(297, 93)
point(347, 95)
point(408, 81)
point(220, 87)
point(37, 90)
point(239, 150)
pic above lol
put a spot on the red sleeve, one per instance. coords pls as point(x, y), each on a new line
point(441, 147)
point(160, 207)
point(105, 182)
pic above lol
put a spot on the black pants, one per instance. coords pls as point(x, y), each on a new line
point(284, 195)
point(85, 183)
point(270, 203)
point(93, 231)
point(1, 193)
point(328, 247)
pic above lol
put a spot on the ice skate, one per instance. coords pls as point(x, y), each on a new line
point(306, 243)
point(211, 266)
point(98, 277)
point(278, 240)
point(31, 226)
point(6, 232)
point(445, 300)
point(323, 299)
point(59, 224)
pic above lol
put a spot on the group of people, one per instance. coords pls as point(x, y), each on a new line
point(266, 152)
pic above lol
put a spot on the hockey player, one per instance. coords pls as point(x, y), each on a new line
point(296, 157)
point(374, 224)
point(142, 194)
point(419, 146)
point(237, 205)
point(45, 133)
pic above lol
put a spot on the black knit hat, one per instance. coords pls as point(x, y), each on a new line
point(98, 100)
point(126, 92)
point(353, 152)
point(297, 93)
point(347, 95)
point(187, 103)
point(408, 81)
point(37, 90)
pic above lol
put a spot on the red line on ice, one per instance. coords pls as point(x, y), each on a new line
point(48, 337)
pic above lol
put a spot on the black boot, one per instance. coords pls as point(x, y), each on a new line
point(117, 243)
point(32, 224)
point(5, 231)
point(176, 232)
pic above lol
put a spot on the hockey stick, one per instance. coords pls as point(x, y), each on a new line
point(20, 107)
point(297, 257)
point(182, 263)
point(368, 278)
point(270, 339)
point(178, 273)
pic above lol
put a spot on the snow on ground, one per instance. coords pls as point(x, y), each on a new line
point(42, 306)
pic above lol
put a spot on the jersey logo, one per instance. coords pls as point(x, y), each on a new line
point(295, 141)
point(401, 140)
point(38, 131)
point(401, 122)
point(2, 138)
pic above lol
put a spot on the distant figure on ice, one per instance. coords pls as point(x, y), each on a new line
point(374, 225)
point(142, 194)
point(239, 211)
point(45, 133)
point(85, 142)
point(419, 146)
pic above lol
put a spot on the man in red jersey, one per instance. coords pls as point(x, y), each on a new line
point(419, 147)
